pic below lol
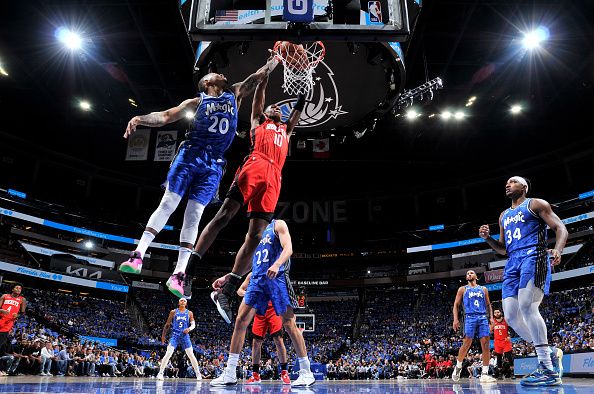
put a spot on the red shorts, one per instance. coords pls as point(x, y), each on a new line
point(257, 182)
point(502, 347)
point(269, 323)
point(6, 323)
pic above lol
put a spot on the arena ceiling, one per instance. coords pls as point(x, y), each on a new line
point(139, 50)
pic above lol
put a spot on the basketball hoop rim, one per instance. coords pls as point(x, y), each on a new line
point(313, 63)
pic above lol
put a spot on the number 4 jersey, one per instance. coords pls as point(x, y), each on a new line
point(12, 305)
point(523, 229)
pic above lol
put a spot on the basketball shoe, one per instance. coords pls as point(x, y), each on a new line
point(485, 378)
point(222, 303)
point(160, 376)
point(254, 379)
point(133, 265)
point(305, 379)
point(180, 285)
point(456, 374)
point(541, 377)
point(284, 377)
point(227, 378)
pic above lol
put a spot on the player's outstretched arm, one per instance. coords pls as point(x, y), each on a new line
point(295, 114)
point(497, 245)
point(258, 103)
point(248, 85)
point(544, 210)
point(457, 302)
point(157, 119)
point(281, 229)
point(167, 325)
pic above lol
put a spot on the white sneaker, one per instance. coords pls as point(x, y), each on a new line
point(198, 376)
point(227, 378)
point(160, 376)
point(456, 374)
point(487, 379)
point(305, 379)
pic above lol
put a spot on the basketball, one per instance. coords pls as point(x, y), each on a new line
point(294, 54)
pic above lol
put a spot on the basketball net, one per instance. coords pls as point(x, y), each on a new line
point(298, 66)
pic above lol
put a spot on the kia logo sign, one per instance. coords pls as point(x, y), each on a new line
point(83, 272)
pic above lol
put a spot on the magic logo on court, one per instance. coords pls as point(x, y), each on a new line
point(322, 102)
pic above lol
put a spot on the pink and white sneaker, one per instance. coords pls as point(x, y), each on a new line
point(133, 265)
point(180, 285)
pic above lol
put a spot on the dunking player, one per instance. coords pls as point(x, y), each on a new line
point(198, 165)
point(257, 183)
point(10, 306)
point(503, 345)
point(269, 282)
point(527, 274)
point(476, 305)
point(181, 321)
point(270, 323)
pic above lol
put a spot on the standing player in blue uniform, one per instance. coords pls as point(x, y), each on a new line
point(269, 282)
point(198, 166)
point(476, 303)
point(181, 321)
point(527, 274)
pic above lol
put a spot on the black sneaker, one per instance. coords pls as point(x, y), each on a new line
point(188, 286)
point(223, 305)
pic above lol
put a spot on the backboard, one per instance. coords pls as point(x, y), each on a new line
point(344, 20)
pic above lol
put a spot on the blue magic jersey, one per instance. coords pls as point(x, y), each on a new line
point(522, 228)
point(214, 124)
point(181, 321)
point(268, 251)
point(474, 300)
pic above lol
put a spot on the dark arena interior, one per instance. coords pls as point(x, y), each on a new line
point(433, 232)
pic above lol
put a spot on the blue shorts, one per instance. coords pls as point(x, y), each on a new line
point(196, 172)
point(476, 325)
point(523, 266)
point(180, 339)
point(278, 290)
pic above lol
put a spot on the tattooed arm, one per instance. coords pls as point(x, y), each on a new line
point(157, 119)
point(247, 87)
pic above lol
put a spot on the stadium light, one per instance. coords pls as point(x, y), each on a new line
point(3, 71)
point(535, 38)
point(189, 115)
point(446, 115)
point(515, 109)
point(411, 114)
point(70, 39)
point(84, 105)
point(89, 245)
point(459, 115)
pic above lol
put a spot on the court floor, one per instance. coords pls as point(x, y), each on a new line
point(37, 384)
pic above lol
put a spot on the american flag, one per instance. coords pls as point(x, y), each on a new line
point(226, 15)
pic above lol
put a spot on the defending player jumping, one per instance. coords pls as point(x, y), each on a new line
point(269, 282)
point(476, 303)
point(198, 166)
point(257, 183)
point(527, 274)
point(181, 321)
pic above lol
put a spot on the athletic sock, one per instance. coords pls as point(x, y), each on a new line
point(256, 368)
point(145, 241)
point(485, 369)
point(458, 364)
point(284, 366)
point(544, 355)
point(193, 261)
point(233, 361)
point(182, 260)
point(304, 363)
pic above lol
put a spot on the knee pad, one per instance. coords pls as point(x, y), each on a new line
point(192, 216)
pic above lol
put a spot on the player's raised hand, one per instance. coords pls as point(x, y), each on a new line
point(456, 325)
point(272, 271)
point(556, 255)
point(131, 128)
point(484, 231)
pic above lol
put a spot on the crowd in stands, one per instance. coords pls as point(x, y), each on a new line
point(403, 333)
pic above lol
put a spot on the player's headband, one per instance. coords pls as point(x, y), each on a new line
point(520, 180)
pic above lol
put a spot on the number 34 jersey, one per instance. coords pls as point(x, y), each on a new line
point(214, 124)
point(522, 228)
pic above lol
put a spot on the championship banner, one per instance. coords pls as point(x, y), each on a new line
point(165, 146)
point(138, 144)
point(493, 276)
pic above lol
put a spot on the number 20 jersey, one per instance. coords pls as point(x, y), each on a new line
point(215, 122)
point(522, 228)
